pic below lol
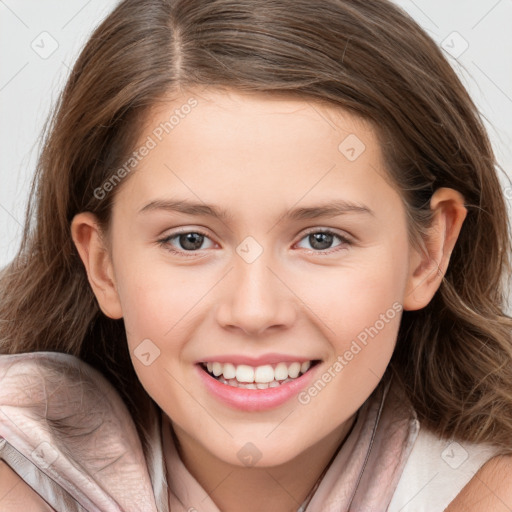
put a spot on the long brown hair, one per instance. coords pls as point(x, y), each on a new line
point(454, 357)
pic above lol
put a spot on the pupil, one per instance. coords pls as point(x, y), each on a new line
point(324, 239)
point(188, 238)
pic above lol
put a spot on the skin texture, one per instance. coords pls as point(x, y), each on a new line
point(489, 490)
point(257, 157)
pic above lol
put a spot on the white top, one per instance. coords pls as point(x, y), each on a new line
point(436, 471)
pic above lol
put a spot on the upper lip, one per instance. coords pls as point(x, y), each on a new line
point(264, 359)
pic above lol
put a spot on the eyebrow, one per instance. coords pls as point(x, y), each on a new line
point(328, 209)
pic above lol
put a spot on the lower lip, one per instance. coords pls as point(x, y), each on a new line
point(255, 399)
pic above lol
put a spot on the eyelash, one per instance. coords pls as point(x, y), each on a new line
point(164, 242)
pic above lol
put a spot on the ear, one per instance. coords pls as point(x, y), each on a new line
point(95, 256)
point(428, 268)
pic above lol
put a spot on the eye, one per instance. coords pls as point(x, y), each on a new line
point(191, 242)
point(188, 241)
point(321, 240)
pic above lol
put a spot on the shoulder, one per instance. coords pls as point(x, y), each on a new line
point(15, 494)
point(490, 489)
point(453, 476)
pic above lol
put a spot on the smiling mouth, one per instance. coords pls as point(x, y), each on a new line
point(260, 377)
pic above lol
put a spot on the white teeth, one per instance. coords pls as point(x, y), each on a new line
point(281, 371)
point(217, 369)
point(263, 377)
point(252, 385)
point(264, 374)
point(229, 371)
point(304, 367)
point(244, 373)
point(294, 370)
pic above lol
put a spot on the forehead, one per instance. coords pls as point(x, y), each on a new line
point(242, 116)
point(240, 146)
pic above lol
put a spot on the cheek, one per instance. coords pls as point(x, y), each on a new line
point(350, 298)
point(371, 325)
point(360, 307)
point(154, 299)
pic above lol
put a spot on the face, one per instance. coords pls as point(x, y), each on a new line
point(291, 293)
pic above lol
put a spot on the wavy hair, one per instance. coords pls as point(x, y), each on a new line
point(453, 357)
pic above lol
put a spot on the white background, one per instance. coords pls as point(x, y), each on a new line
point(29, 83)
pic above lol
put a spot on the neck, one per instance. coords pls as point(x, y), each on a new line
point(281, 488)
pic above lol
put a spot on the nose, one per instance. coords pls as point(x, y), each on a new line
point(255, 299)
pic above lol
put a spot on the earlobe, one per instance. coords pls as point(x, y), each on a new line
point(426, 269)
point(89, 242)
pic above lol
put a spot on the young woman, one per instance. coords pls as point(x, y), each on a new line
point(263, 269)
